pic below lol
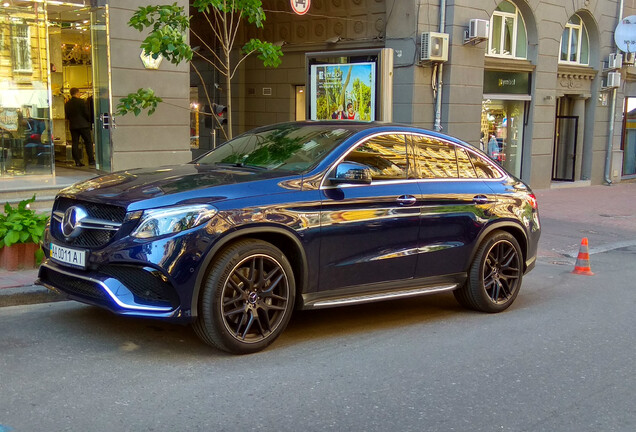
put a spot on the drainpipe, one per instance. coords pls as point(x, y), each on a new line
point(608, 155)
point(440, 70)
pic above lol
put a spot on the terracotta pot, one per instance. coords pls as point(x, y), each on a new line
point(18, 256)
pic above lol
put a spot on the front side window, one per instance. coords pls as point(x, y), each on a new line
point(507, 32)
point(575, 42)
point(385, 155)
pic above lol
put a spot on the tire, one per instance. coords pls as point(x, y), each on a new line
point(495, 275)
point(247, 298)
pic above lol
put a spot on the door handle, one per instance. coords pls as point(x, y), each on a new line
point(406, 200)
point(481, 199)
point(108, 122)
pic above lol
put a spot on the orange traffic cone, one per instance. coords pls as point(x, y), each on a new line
point(582, 265)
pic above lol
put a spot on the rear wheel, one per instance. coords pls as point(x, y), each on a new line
point(247, 299)
point(495, 275)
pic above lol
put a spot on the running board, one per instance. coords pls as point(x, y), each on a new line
point(368, 298)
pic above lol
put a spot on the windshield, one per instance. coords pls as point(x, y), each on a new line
point(294, 148)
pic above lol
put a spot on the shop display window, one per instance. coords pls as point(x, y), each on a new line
point(502, 124)
point(25, 127)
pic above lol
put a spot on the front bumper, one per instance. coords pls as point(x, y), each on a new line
point(148, 278)
point(101, 289)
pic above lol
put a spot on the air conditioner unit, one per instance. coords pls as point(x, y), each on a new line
point(613, 79)
point(615, 61)
point(630, 58)
point(478, 29)
point(434, 47)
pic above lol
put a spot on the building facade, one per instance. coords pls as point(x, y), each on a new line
point(535, 87)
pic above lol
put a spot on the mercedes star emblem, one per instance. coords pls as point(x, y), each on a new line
point(71, 222)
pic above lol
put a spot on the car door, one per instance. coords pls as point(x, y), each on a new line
point(455, 205)
point(369, 232)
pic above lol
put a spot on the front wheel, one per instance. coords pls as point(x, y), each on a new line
point(495, 275)
point(247, 299)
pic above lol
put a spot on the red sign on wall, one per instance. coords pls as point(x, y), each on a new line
point(301, 7)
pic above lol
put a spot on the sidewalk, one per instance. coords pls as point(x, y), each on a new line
point(606, 215)
point(17, 288)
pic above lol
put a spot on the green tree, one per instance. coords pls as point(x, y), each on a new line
point(168, 25)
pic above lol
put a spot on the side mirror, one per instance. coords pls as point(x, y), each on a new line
point(351, 173)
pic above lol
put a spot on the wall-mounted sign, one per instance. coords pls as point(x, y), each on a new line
point(149, 62)
point(300, 7)
point(506, 82)
point(343, 91)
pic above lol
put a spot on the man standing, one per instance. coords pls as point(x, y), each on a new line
point(80, 125)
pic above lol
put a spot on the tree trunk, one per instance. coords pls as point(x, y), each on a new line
point(228, 85)
point(344, 89)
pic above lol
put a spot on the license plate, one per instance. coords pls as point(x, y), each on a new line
point(72, 257)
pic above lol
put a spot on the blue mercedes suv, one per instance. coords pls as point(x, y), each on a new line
point(294, 216)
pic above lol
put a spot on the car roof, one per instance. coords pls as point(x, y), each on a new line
point(360, 126)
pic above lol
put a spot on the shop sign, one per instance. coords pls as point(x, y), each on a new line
point(506, 82)
point(300, 7)
point(343, 91)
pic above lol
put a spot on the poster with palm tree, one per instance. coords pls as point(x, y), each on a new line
point(343, 91)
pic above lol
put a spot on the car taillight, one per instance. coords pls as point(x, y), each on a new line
point(532, 199)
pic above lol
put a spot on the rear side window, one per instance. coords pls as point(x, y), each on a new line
point(384, 154)
point(433, 158)
point(464, 165)
point(483, 168)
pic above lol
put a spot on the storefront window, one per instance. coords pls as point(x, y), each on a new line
point(25, 126)
point(45, 50)
point(502, 124)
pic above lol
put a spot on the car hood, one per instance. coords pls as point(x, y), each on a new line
point(143, 188)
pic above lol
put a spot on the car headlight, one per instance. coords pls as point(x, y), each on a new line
point(157, 222)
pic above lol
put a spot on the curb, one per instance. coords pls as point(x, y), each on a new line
point(28, 295)
point(604, 248)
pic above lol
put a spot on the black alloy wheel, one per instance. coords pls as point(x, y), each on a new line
point(248, 298)
point(495, 275)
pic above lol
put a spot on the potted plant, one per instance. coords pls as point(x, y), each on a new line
point(21, 230)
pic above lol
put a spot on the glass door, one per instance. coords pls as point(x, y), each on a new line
point(101, 87)
point(79, 43)
point(565, 136)
point(629, 137)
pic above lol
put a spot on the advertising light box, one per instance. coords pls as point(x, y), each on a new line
point(343, 91)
